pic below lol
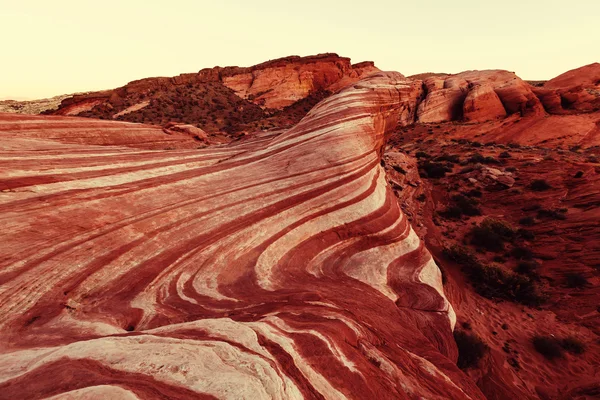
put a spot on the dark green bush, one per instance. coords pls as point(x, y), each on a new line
point(471, 349)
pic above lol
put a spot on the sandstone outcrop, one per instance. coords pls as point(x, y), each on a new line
point(32, 106)
point(486, 91)
point(25, 128)
point(482, 104)
point(280, 267)
point(575, 91)
point(282, 82)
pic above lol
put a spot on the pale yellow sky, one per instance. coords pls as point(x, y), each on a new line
point(64, 46)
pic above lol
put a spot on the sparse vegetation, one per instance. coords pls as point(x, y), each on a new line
point(493, 282)
point(521, 253)
point(471, 349)
point(578, 174)
point(491, 234)
point(573, 345)
point(539, 185)
point(552, 347)
point(433, 170)
point(527, 221)
point(576, 280)
point(453, 158)
point(552, 214)
point(548, 346)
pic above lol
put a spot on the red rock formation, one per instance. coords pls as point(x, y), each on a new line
point(446, 96)
point(574, 91)
point(280, 267)
point(482, 104)
point(282, 82)
point(92, 132)
point(587, 76)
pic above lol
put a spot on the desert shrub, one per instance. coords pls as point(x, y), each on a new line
point(575, 280)
point(476, 144)
point(551, 214)
point(514, 145)
point(399, 169)
point(521, 253)
point(493, 282)
point(434, 170)
point(525, 234)
point(453, 158)
point(531, 207)
point(548, 346)
point(421, 197)
point(491, 234)
point(461, 255)
point(422, 154)
point(474, 193)
point(578, 174)
point(573, 345)
point(527, 221)
point(451, 212)
point(504, 154)
point(476, 158)
point(471, 349)
point(511, 169)
point(539, 185)
point(467, 206)
point(551, 347)
point(527, 268)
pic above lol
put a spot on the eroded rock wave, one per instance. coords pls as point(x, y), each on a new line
point(277, 268)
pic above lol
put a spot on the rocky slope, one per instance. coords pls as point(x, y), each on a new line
point(278, 267)
point(542, 278)
point(232, 99)
point(32, 106)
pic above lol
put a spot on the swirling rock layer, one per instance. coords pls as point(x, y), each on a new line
point(276, 268)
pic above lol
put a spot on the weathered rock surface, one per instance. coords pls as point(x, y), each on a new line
point(32, 106)
point(482, 104)
point(446, 97)
point(282, 82)
point(587, 76)
point(280, 267)
point(575, 91)
point(87, 131)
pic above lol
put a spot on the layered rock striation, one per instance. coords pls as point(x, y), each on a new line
point(280, 267)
